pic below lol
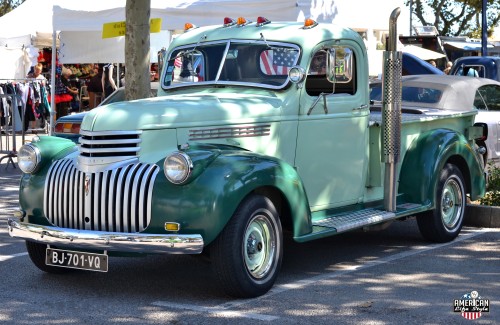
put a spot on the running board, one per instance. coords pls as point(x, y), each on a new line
point(346, 221)
point(355, 220)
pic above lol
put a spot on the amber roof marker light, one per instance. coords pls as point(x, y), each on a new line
point(242, 21)
point(189, 26)
point(309, 23)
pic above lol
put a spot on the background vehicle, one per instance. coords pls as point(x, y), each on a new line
point(477, 66)
point(434, 95)
point(68, 126)
point(413, 65)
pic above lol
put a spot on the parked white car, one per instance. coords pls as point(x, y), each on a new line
point(435, 94)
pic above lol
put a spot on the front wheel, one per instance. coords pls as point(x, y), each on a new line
point(247, 254)
point(444, 223)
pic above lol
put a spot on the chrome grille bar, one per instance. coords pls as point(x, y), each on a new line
point(117, 200)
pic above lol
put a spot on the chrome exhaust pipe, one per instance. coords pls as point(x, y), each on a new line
point(391, 112)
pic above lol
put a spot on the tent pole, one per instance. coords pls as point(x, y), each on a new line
point(53, 85)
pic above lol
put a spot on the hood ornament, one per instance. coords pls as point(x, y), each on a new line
point(87, 185)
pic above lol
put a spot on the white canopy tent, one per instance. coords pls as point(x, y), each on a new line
point(80, 22)
point(81, 28)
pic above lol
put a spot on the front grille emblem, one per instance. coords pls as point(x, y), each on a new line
point(87, 185)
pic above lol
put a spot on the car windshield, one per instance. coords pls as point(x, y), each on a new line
point(410, 94)
point(119, 95)
point(259, 63)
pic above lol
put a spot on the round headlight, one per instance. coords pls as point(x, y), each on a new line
point(28, 158)
point(296, 74)
point(177, 167)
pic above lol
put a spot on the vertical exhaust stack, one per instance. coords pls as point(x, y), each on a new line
point(391, 112)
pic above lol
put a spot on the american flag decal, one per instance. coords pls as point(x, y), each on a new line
point(277, 61)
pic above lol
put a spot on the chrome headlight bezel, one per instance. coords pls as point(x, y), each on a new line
point(29, 158)
point(178, 167)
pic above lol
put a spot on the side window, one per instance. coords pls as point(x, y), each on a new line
point(471, 71)
point(488, 98)
point(345, 72)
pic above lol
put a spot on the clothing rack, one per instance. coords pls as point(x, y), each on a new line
point(11, 152)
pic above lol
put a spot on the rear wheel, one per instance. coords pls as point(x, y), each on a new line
point(247, 254)
point(37, 253)
point(445, 222)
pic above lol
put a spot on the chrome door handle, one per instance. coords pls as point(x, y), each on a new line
point(360, 108)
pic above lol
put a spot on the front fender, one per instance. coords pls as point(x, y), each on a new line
point(207, 202)
point(427, 156)
point(31, 187)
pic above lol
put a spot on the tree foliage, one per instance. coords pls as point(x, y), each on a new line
point(456, 17)
point(8, 5)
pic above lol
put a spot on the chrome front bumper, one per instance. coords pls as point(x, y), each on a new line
point(110, 241)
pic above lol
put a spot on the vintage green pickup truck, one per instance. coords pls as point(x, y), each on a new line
point(260, 129)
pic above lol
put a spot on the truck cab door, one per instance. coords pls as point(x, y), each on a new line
point(332, 145)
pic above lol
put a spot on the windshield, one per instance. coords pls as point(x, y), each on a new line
point(263, 64)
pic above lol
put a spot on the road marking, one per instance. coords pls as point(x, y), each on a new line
point(215, 310)
point(4, 258)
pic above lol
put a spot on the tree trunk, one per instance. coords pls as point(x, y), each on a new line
point(137, 46)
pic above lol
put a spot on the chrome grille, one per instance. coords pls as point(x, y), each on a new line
point(112, 200)
point(109, 143)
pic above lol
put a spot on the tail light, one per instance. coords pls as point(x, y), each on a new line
point(73, 128)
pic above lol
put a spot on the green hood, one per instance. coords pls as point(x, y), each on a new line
point(184, 110)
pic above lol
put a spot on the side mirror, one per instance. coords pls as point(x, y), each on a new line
point(331, 56)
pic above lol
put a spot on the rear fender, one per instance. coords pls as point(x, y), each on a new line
point(427, 156)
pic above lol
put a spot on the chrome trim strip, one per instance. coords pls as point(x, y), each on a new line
point(104, 133)
point(101, 164)
point(110, 241)
point(109, 141)
point(108, 150)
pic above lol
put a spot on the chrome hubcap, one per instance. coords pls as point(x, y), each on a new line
point(259, 246)
point(451, 203)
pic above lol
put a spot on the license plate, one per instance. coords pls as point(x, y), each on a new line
point(77, 260)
